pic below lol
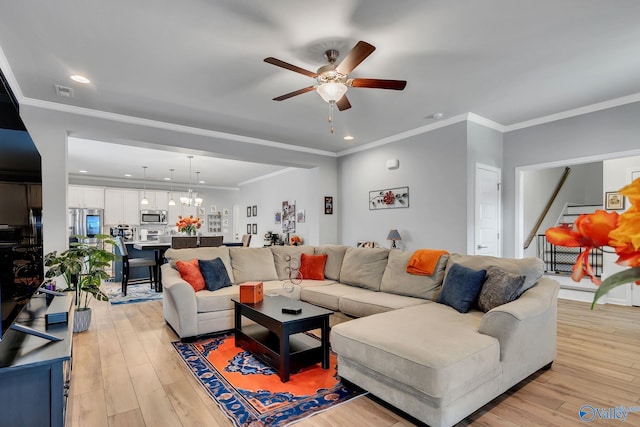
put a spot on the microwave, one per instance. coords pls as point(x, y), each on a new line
point(153, 217)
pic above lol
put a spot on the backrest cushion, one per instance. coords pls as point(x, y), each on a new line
point(364, 267)
point(214, 273)
point(531, 268)
point(396, 280)
point(222, 252)
point(190, 273)
point(461, 287)
point(252, 264)
point(312, 266)
point(280, 254)
point(335, 256)
point(499, 288)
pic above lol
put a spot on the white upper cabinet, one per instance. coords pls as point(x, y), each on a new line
point(79, 196)
point(121, 207)
point(157, 200)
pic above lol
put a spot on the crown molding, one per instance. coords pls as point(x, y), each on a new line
point(267, 176)
point(135, 184)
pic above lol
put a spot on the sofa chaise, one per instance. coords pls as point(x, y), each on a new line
point(424, 357)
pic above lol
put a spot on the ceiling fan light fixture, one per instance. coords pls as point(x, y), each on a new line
point(332, 92)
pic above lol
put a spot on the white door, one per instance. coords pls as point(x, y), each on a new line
point(487, 206)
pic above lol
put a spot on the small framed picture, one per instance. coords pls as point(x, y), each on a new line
point(301, 215)
point(248, 228)
point(255, 210)
point(201, 211)
point(225, 212)
point(225, 222)
point(255, 229)
point(248, 211)
point(277, 217)
point(614, 201)
point(214, 208)
point(328, 205)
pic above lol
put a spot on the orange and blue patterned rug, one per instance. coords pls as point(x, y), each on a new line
point(251, 394)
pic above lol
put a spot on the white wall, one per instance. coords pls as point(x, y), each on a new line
point(600, 135)
point(434, 167)
point(307, 187)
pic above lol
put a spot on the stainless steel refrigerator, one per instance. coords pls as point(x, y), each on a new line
point(85, 222)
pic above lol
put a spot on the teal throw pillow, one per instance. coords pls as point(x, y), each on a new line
point(214, 273)
point(461, 287)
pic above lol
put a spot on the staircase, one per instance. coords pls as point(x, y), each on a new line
point(560, 260)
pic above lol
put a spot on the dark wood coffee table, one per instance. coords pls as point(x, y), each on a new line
point(278, 338)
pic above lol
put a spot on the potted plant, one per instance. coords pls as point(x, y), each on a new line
point(82, 269)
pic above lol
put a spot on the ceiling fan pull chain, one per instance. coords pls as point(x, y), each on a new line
point(331, 116)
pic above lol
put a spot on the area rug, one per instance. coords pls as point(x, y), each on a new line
point(135, 293)
point(251, 394)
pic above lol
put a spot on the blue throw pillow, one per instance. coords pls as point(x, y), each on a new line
point(461, 287)
point(214, 273)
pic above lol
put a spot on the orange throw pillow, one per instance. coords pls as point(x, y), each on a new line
point(190, 272)
point(312, 266)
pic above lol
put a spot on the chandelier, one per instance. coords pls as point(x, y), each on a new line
point(192, 196)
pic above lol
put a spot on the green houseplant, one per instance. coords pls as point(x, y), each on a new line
point(82, 269)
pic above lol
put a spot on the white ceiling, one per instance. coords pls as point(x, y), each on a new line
point(200, 63)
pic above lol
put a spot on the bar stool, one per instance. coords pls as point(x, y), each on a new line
point(128, 263)
point(182, 242)
point(210, 241)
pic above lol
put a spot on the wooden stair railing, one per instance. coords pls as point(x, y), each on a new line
point(532, 235)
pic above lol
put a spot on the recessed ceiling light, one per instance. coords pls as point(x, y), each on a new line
point(82, 171)
point(201, 182)
point(167, 179)
point(80, 79)
point(128, 175)
point(348, 138)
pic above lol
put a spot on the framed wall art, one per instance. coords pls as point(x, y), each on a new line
point(614, 201)
point(255, 210)
point(248, 211)
point(301, 215)
point(328, 205)
point(254, 229)
point(389, 198)
point(248, 228)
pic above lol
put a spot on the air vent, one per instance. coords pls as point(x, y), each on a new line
point(67, 92)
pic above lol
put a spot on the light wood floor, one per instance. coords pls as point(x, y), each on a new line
point(126, 373)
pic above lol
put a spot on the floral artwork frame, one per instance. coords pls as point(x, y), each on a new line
point(389, 198)
point(614, 201)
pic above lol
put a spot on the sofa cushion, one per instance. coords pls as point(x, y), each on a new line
point(329, 296)
point(531, 268)
point(396, 280)
point(461, 287)
point(430, 348)
point(252, 264)
point(214, 273)
point(312, 266)
point(368, 303)
point(280, 254)
point(499, 288)
point(364, 267)
point(335, 255)
point(222, 252)
point(190, 273)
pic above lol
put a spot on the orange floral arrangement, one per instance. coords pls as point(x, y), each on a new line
point(602, 228)
point(188, 225)
point(295, 240)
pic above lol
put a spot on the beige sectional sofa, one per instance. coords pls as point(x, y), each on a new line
point(423, 357)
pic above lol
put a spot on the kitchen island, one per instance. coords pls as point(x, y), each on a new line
point(142, 249)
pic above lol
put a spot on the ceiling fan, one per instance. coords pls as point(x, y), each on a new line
point(333, 80)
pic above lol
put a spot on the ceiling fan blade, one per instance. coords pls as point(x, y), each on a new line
point(379, 83)
point(286, 65)
point(343, 103)
point(292, 94)
point(358, 54)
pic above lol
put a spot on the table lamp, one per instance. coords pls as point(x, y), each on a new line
point(394, 236)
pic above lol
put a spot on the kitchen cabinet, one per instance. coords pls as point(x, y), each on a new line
point(158, 200)
point(79, 196)
point(121, 207)
point(35, 196)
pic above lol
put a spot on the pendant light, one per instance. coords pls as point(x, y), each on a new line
point(188, 199)
point(171, 201)
point(144, 200)
point(197, 200)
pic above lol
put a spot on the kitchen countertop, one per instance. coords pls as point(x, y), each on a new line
point(144, 244)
